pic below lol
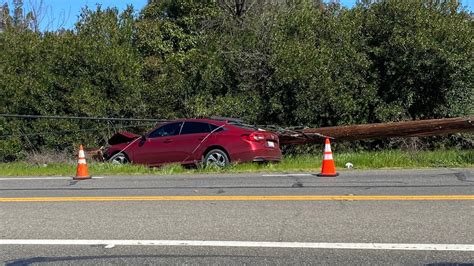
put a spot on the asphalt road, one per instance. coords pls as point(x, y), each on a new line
point(329, 219)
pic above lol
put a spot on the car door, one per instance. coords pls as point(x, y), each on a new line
point(192, 140)
point(159, 146)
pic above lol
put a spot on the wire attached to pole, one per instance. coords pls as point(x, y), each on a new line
point(81, 118)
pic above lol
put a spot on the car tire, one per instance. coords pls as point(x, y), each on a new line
point(119, 158)
point(216, 158)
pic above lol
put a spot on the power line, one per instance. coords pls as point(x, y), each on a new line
point(81, 118)
point(70, 131)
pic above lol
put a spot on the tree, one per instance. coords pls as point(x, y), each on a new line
point(422, 53)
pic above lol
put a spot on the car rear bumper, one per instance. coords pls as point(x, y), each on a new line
point(258, 155)
point(266, 159)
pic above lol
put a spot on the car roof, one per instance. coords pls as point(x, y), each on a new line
point(203, 120)
point(216, 122)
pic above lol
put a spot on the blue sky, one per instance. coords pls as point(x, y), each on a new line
point(63, 13)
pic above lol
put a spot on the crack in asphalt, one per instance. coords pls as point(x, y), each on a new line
point(461, 176)
point(298, 183)
point(73, 182)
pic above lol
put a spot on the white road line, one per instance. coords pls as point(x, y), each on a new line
point(112, 243)
point(276, 175)
point(44, 178)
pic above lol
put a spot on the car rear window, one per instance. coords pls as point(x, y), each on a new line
point(243, 125)
point(215, 128)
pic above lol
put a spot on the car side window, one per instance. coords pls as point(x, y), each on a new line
point(195, 127)
point(166, 130)
point(214, 127)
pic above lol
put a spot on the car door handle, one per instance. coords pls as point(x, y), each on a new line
point(168, 140)
point(200, 138)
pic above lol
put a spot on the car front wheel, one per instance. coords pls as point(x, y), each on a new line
point(119, 158)
point(216, 158)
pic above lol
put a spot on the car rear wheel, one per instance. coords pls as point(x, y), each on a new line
point(216, 158)
point(119, 158)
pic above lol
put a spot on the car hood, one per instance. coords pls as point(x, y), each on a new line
point(122, 137)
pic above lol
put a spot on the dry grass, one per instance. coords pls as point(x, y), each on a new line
point(49, 157)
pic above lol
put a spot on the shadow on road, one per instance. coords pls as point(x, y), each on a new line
point(70, 259)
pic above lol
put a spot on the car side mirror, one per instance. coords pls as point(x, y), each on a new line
point(142, 140)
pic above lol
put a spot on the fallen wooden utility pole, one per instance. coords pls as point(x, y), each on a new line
point(418, 128)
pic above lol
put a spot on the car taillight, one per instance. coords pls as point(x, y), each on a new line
point(254, 137)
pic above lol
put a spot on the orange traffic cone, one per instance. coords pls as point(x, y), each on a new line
point(328, 168)
point(82, 171)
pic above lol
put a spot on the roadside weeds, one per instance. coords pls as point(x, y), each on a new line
point(292, 163)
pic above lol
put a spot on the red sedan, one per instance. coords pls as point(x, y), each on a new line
point(193, 141)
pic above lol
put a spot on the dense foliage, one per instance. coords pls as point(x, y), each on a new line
point(269, 62)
